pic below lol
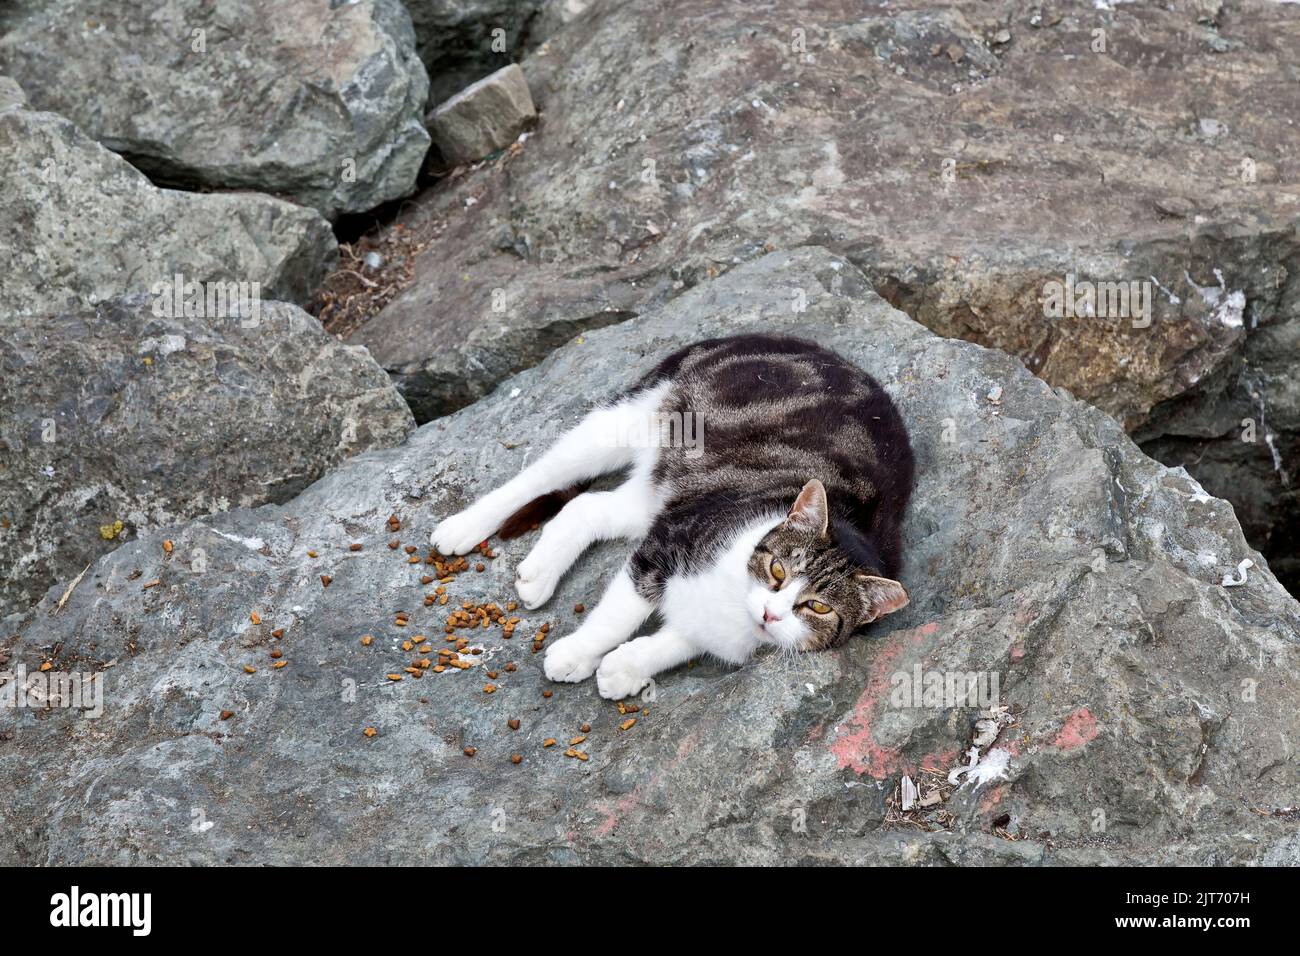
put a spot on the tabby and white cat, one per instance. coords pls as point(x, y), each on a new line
point(781, 528)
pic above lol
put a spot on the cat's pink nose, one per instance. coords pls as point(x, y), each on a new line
point(769, 617)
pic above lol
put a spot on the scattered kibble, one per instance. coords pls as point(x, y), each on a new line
point(513, 723)
point(579, 608)
point(227, 714)
point(250, 669)
point(367, 640)
point(516, 758)
point(325, 580)
point(370, 731)
point(278, 664)
point(167, 547)
point(585, 728)
point(546, 694)
point(548, 742)
point(627, 724)
point(470, 751)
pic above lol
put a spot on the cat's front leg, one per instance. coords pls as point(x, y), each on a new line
point(612, 621)
point(626, 670)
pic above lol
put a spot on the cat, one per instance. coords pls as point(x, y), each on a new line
point(781, 526)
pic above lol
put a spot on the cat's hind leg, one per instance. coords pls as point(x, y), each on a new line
point(620, 611)
point(595, 446)
point(625, 512)
point(625, 670)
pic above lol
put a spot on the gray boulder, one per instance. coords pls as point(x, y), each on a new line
point(1148, 706)
point(319, 102)
point(484, 117)
point(955, 153)
point(86, 225)
point(123, 418)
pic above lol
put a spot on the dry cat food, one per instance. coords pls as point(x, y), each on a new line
point(513, 723)
point(627, 724)
point(370, 731)
point(516, 758)
point(255, 618)
point(227, 714)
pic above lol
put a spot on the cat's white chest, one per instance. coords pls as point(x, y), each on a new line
point(708, 608)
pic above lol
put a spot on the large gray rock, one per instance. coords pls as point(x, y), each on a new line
point(484, 117)
point(318, 101)
point(954, 151)
point(124, 413)
point(461, 41)
point(84, 225)
point(1152, 706)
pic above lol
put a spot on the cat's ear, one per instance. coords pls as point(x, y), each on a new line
point(880, 596)
point(810, 511)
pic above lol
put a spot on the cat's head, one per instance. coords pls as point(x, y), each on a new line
point(805, 593)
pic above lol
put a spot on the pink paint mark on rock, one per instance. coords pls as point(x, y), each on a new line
point(940, 761)
point(1017, 650)
point(992, 799)
point(856, 747)
point(1080, 728)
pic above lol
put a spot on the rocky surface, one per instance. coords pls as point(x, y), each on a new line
point(118, 420)
point(319, 102)
point(462, 41)
point(88, 226)
point(963, 154)
point(1152, 706)
point(484, 117)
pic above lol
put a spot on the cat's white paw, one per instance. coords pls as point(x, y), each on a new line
point(461, 533)
point(535, 580)
point(620, 674)
point(569, 661)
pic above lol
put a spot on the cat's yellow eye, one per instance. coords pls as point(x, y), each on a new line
point(778, 571)
point(819, 607)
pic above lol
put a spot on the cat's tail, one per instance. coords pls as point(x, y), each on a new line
point(538, 511)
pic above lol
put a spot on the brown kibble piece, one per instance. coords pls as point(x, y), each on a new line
point(355, 546)
point(366, 640)
point(627, 724)
point(577, 740)
point(513, 723)
point(276, 654)
point(516, 758)
point(255, 618)
point(278, 633)
point(394, 677)
point(470, 751)
point(480, 567)
point(585, 728)
point(227, 714)
point(510, 668)
point(394, 545)
point(325, 580)
point(370, 731)
point(311, 554)
point(489, 688)
point(167, 547)
point(250, 669)
point(579, 608)
point(278, 664)
point(546, 694)
point(548, 742)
